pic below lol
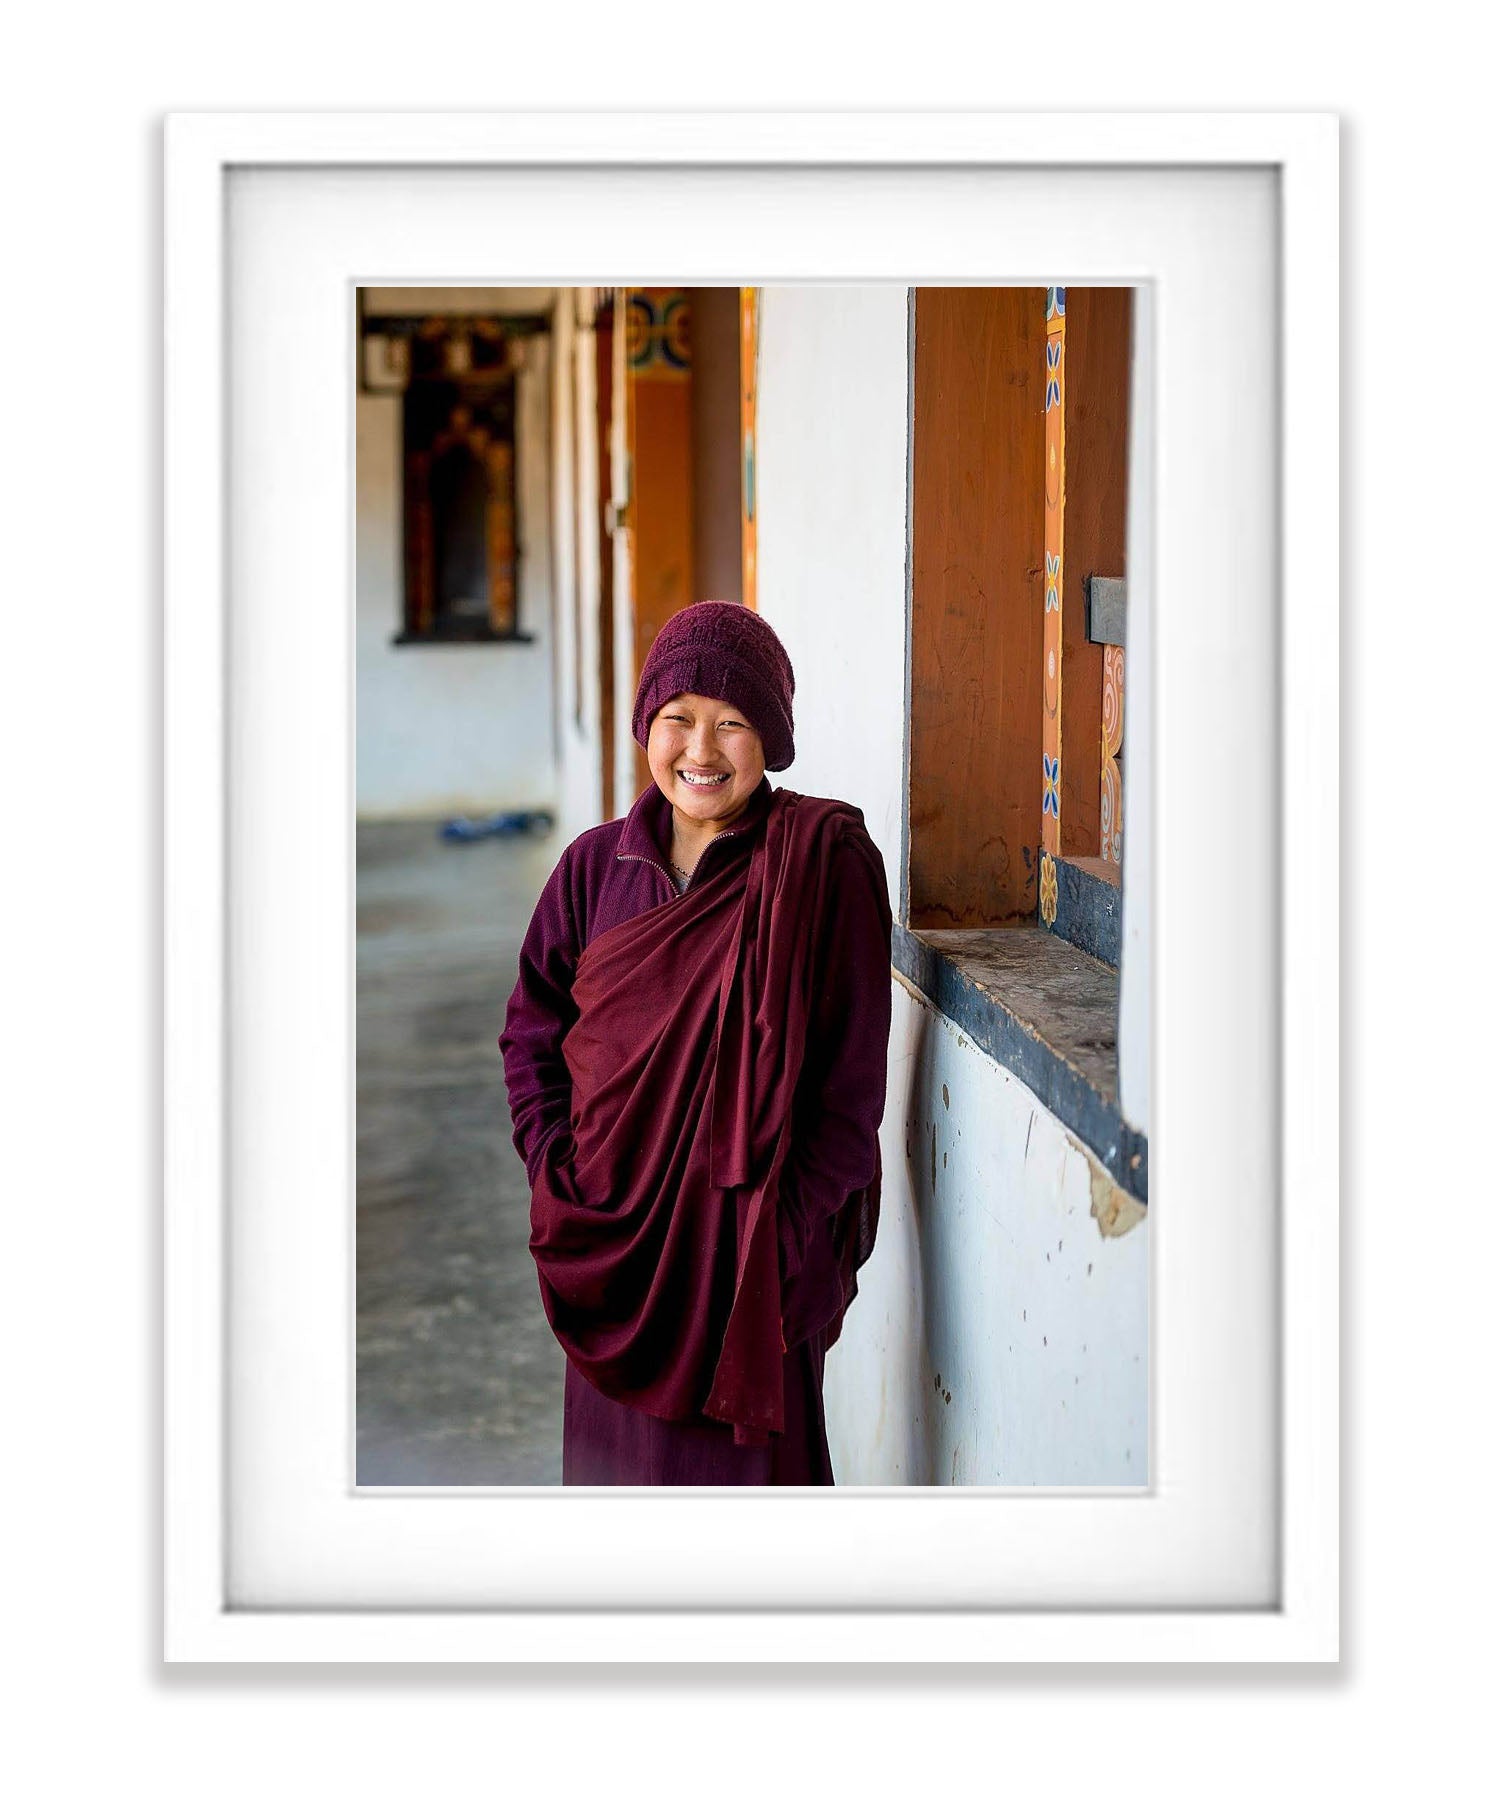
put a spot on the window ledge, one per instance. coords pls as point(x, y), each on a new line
point(480, 634)
point(1046, 1011)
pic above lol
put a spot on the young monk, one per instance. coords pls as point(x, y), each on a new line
point(695, 1054)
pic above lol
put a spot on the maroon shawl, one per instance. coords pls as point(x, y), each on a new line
point(653, 1223)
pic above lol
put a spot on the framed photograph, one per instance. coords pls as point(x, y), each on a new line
point(1014, 437)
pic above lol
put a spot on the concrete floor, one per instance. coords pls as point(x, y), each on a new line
point(459, 1379)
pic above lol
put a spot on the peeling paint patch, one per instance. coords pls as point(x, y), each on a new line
point(945, 1096)
point(1113, 1210)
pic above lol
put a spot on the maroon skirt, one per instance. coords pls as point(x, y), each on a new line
point(609, 1444)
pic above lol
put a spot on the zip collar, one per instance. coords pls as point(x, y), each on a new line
point(647, 832)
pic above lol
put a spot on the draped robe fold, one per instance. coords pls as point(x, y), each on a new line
point(653, 1219)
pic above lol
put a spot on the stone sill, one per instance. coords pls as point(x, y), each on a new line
point(1046, 1011)
point(479, 634)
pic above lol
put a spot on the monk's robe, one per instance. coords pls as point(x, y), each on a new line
point(696, 1085)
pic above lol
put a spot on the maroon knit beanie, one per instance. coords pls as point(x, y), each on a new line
point(723, 651)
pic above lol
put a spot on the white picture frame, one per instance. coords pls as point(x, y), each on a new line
point(1065, 1610)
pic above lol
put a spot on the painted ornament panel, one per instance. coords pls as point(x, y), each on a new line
point(1047, 892)
point(1112, 790)
point(657, 340)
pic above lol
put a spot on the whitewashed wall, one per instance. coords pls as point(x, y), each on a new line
point(999, 1336)
point(452, 727)
point(831, 544)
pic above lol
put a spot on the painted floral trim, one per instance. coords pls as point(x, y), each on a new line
point(1048, 890)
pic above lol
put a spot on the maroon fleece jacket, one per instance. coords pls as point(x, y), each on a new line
point(618, 870)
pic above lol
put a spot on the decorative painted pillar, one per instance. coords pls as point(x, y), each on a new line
point(1052, 649)
point(749, 368)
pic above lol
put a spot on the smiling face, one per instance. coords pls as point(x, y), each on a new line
point(706, 757)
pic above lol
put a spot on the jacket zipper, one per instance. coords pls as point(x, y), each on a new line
point(651, 862)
